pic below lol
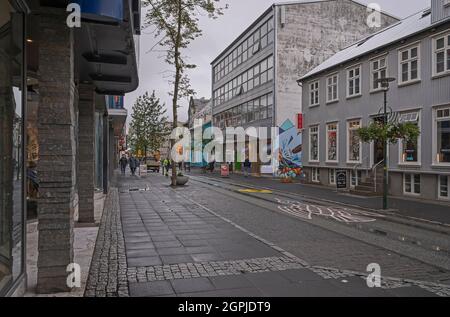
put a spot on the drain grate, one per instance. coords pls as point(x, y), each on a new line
point(124, 191)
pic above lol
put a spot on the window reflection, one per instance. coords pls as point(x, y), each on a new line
point(11, 136)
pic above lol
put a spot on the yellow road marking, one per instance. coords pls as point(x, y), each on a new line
point(256, 191)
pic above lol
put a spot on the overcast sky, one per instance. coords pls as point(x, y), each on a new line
point(217, 35)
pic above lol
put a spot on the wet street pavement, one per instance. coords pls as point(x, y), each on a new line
point(159, 241)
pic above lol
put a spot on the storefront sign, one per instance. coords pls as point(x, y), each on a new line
point(300, 121)
point(224, 170)
point(341, 179)
point(96, 9)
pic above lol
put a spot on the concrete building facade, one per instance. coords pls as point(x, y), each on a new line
point(341, 95)
point(254, 78)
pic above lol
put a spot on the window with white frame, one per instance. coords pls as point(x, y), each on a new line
point(378, 70)
point(356, 177)
point(332, 142)
point(332, 88)
point(314, 144)
point(353, 142)
point(314, 93)
point(441, 135)
point(444, 192)
point(409, 68)
point(354, 81)
point(410, 150)
point(441, 56)
point(315, 175)
point(332, 176)
point(411, 184)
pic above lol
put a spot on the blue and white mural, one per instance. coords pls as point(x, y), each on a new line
point(290, 151)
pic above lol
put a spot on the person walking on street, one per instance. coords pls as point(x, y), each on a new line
point(133, 164)
point(247, 167)
point(123, 164)
point(166, 167)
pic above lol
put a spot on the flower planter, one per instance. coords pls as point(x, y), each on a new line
point(286, 180)
point(182, 180)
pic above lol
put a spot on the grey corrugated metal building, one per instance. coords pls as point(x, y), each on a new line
point(341, 95)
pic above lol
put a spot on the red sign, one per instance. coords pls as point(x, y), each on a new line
point(224, 170)
point(300, 121)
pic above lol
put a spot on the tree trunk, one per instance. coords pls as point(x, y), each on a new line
point(176, 88)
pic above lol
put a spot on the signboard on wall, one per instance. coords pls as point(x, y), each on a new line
point(101, 9)
point(341, 179)
point(300, 121)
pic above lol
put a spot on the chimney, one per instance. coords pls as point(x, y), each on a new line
point(440, 10)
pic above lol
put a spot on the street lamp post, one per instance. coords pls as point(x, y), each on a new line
point(385, 86)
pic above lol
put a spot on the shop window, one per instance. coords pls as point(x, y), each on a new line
point(356, 177)
point(411, 184)
point(443, 186)
point(332, 142)
point(314, 144)
point(315, 175)
point(332, 176)
point(441, 135)
point(11, 146)
point(353, 142)
point(410, 150)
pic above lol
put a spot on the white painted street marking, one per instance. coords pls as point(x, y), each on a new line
point(340, 214)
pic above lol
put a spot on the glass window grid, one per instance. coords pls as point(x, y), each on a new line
point(261, 37)
point(257, 109)
point(258, 75)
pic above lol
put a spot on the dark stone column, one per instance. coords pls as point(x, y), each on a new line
point(106, 176)
point(86, 152)
point(57, 151)
point(112, 151)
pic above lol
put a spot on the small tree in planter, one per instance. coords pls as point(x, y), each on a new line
point(389, 133)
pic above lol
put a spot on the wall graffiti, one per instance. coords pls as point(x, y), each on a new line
point(290, 151)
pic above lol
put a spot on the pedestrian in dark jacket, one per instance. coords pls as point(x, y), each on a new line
point(123, 164)
point(247, 167)
point(134, 163)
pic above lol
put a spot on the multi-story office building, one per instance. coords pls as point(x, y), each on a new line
point(254, 78)
point(342, 95)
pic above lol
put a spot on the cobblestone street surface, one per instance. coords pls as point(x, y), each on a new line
point(155, 241)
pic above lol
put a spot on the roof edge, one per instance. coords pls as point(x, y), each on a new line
point(437, 24)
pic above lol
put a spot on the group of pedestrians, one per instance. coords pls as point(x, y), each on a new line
point(132, 161)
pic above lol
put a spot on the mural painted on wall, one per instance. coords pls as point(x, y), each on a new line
point(290, 151)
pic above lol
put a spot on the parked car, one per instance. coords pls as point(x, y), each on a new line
point(152, 164)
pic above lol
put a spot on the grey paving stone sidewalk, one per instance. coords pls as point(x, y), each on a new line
point(155, 242)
